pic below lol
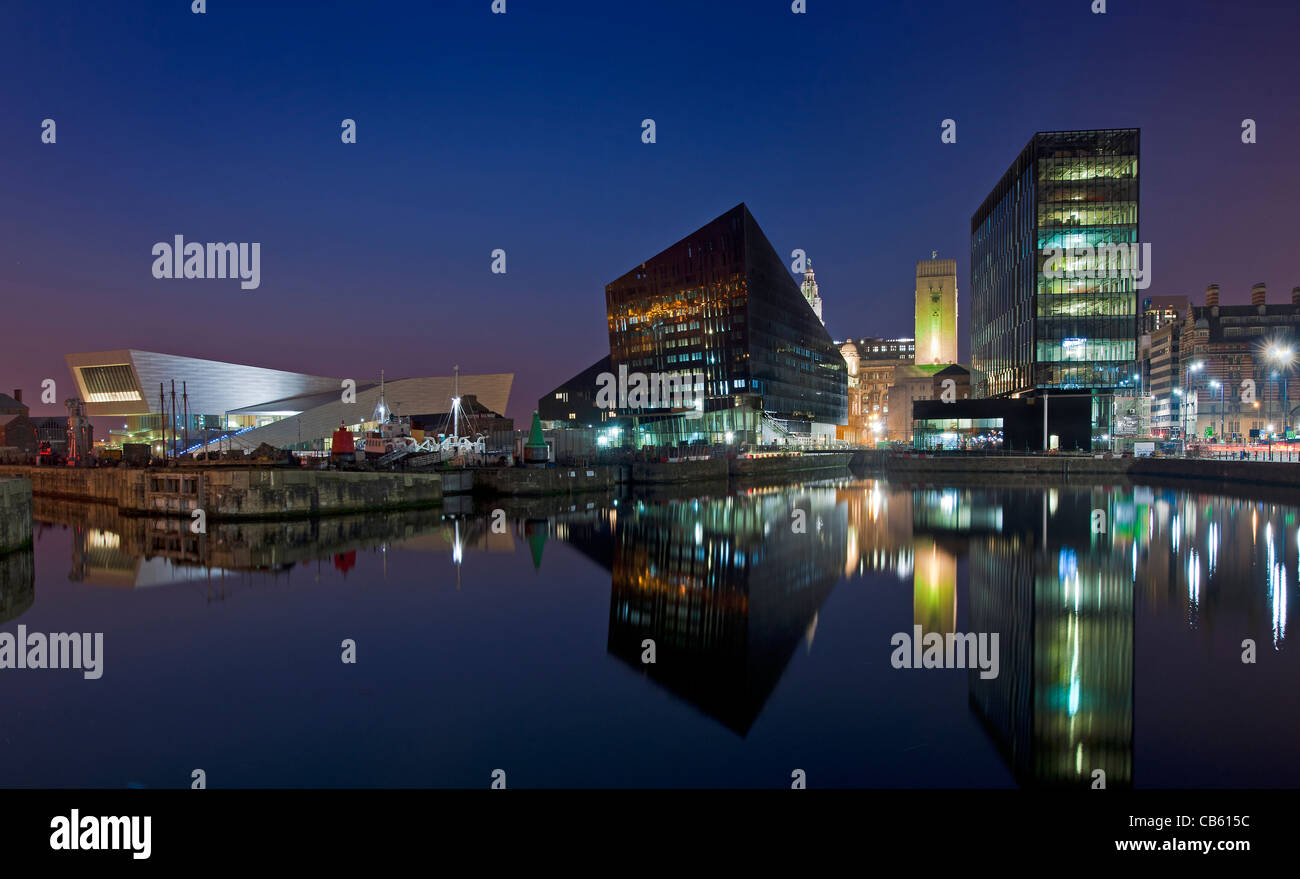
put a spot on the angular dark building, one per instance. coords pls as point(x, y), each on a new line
point(1034, 333)
point(573, 404)
point(722, 303)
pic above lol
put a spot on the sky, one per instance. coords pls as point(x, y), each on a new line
point(478, 131)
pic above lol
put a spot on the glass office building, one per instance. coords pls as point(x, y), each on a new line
point(721, 304)
point(1032, 332)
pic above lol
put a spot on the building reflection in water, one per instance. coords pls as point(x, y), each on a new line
point(17, 583)
point(934, 586)
point(138, 552)
point(1061, 598)
point(726, 589)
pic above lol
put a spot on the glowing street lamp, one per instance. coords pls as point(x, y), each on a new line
point(1195, 366)
point(1214, 383)
point(1284, 357)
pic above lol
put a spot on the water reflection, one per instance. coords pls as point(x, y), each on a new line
point(136, 552)
point(730, 586)
point(17, 583)
point(1061, 595)
point(726, 588)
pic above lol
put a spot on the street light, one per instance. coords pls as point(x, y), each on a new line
point(1195, 366)
point(1214, 383)
point(1284, 357)
point(1178, 392)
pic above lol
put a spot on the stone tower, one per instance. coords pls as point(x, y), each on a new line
point(936, 310)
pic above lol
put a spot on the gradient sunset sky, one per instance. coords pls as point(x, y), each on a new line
point(523, 132)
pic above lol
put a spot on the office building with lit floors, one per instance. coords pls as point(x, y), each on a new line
point(1043, 325)
point(722, 307)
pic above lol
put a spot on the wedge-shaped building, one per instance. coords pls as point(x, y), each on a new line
point(246, 406)
point(723, 306)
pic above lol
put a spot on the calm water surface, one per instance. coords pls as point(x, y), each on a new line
point(1119, 650)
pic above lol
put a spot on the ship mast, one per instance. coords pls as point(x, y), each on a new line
point(381, 408)
point(455, 406)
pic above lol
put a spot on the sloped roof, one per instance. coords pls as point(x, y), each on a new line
point(8, 402)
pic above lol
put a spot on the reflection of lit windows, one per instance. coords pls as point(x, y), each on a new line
point(97, 539)
point(1067, 565)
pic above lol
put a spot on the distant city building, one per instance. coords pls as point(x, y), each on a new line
point(241, 406)
point(855, 430)
point(573, 404)
point(1160, 311)
point(1160, 371)
point(874, 349)
point(936, 311)
point(13, 405)
point(52, 429)
point(927, 382)
point(17, 431)
point(23, 434)
point(1227, 370)
point(1035, 334)
point(871, 363)
point(810, 292)
point(721, 303)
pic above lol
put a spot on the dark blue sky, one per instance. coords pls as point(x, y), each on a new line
point(522, 131)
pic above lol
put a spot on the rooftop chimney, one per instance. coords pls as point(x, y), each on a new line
point(18, 394)
point(1212, 296)
point(1257, 294)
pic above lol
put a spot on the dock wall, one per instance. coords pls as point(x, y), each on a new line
point(227, 493)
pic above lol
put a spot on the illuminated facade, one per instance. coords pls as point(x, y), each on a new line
point(721, 303)
point(913, 383)
point(1221, 347)
point(872, 364)
point(260, 405)
point(1031, 333)
point(936, 311)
